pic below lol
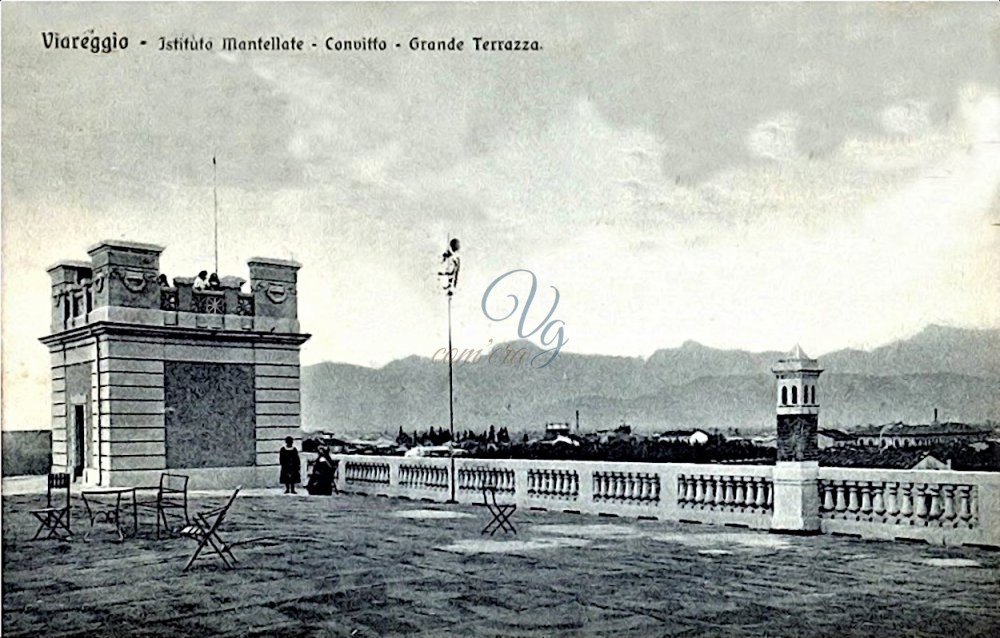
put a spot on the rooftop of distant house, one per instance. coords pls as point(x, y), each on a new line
point(891, 458)
point(930, 429)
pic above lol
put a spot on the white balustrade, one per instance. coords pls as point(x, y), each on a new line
point(916, 504)
point(366, 472)
point(556, 484)
point(724, 492)
point(636, 488)
point(476, 478)
point(937, 506)
point(433, 477)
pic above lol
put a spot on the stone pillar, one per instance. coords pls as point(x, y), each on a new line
point(796, 472)
point(273, 283)
point(125, 274)
point(66, 276)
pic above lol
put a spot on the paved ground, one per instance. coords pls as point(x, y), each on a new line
point(357, 566)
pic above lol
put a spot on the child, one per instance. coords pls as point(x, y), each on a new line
point(291, 467)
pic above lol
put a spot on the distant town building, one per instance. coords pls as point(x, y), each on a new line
point(691, 437)
point(901, 435)
point(148, 376)
point(553, 430)
point(828, 437)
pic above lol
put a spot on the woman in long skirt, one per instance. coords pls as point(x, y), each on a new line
point(291, 467)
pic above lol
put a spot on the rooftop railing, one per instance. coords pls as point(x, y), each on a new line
point(725, 494)
point(941, 507)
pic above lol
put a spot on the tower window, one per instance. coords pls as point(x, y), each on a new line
point(784, 395)
point(795, 395)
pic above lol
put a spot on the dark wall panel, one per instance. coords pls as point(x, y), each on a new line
point(210, 418)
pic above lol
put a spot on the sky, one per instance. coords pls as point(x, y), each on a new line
point(745, 176)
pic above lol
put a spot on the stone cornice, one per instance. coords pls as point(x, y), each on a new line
point(195, 334)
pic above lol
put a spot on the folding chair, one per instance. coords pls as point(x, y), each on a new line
point(205, 530)
point(54, 519)
point(501, 512)
point(171, 501)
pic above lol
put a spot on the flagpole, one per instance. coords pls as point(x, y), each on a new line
point(215, 198)
point(451, 405)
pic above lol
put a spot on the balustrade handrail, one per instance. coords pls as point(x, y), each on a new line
point(907, 476)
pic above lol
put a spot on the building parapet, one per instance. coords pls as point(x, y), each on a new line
point(122, 282)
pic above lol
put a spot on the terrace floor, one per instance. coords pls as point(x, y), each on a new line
point(363, 566)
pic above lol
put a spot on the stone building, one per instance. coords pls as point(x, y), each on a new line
point(149, 377)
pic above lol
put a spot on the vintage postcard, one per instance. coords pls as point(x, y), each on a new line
point(500, 319)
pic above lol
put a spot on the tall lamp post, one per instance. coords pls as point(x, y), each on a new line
point(452, 264)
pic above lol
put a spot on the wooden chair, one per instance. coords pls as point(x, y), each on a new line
point(55, 519)
point(205, 530)
point(501, 513)
point(171, 501)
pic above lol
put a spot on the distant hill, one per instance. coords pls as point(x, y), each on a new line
point(955, 370)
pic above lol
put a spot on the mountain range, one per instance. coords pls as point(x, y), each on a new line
point(955, 370)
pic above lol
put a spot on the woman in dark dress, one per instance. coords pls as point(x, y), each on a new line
point(291, 467)
point(321, 479)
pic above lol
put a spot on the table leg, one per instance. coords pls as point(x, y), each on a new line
point(135, 516)
point(118, 521)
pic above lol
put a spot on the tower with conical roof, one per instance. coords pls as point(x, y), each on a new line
point(797, 469)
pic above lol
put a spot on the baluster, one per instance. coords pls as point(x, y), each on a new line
point(866, 498)
point(906, 501)
point(829, 504)
point(720, 491)
point(965, 503)
point(920, 503)
point(841, 505)
point(751, 492)
point(934, 496)
point(699, 490)
point(741, 492)
point(948, 497)
point(629, 487)
point(709, 490)
point(761, 498)
point(681, 488)
point(730, 492)
point(852, 498)
point(878, 500)
point(892, 500)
